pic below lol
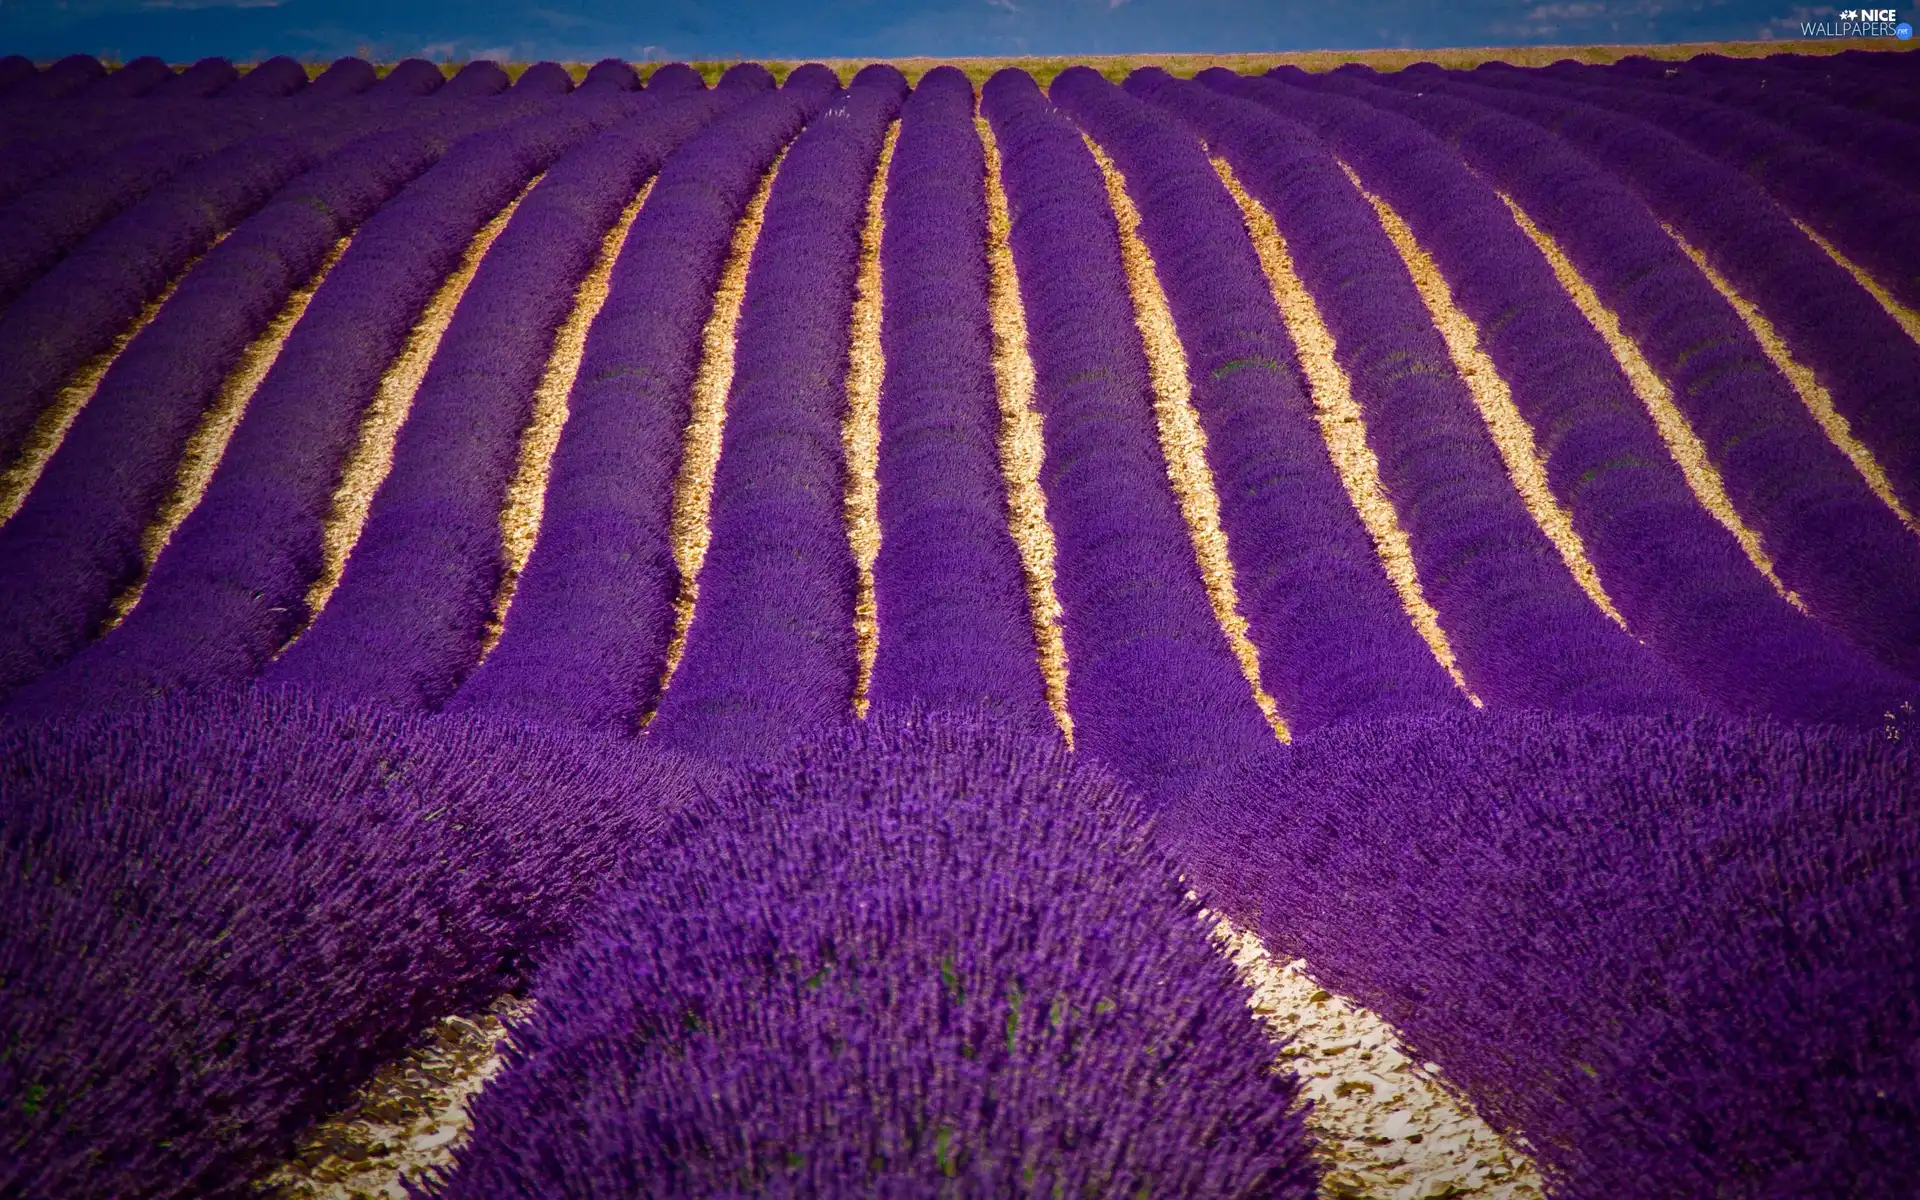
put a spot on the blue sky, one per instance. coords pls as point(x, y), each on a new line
point(698, 29)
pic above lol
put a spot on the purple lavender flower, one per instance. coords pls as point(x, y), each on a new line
point(955, 627)
point(1334, 642)
point(216, 919)
point(1154, 687)
point(917, 956)
point(217, 170)
point(777, 586)
point(1677, 576)
point(1823, 316)
point(1525, 633)
point(1677, 956)
point(14, 70)
point(227, 594)
point(586, 638)
point(405, 623)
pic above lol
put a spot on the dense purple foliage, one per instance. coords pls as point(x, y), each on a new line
point(479, 78)
point(346, 76)
point(953, 610)
point(1825, 318)
point(1856, 86)
point(1335, 643)
point(1680, 957)
point(777, 586)
point(228, 592)
point(1793, 101)
point(102, 107)
point(277, 76)
point(1153, 686)
point(77, 538)
point(74, 310)
point(1525, 633)
point(586, 639)
point(1872, 220)
point(915, 958)
point(15, 69)
point(206, 78)
point(1678, 577)
point(217, 918)
point(43, 225)
point(137, 78)
point(1670, 952)
point(404, 626)
point(612, 72)
point(755, 77)
point(60, 79)
point(52, 216)
point(674, 78)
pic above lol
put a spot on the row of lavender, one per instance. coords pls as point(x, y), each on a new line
point(1524, 633)
point(1155, 690)
point(1548, 674)
point(968, 1126)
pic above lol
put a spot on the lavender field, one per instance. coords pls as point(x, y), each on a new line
point(1346, 634)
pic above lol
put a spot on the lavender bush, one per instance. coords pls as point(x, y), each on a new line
point(777, 586)
point(1793, 100)
point(1825, 318)
point(276, 77)
point(912, 958)
point(955, 627)
point(675, 78)
point(1335, 643)
point(611, 72)
point(60, 79)
point(1678, 956)
point(250, 120)
point(78, 535)
point(1154, 687)
point(404, 626)
point(14, 70)
point(586, 638)
point(23, 119)
point(1872, 220)
point(1679, 578)
point(1525, 633)
point(228, 592)
point(219, 917)
point(74, 310)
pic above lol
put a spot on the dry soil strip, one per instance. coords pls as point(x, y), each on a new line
point(1386, 1125)
point(1343, 424)
point(1022, 440)
point(1512, 436)
point(526, 500)
point(208, 441)
point(371, 458)
point(1182, 440)
point(50, 427)
point(1682, 442)
point(1818, 400)
point(860, 434)
point(700, 453)
point(1905, 317)
point(408, 1120)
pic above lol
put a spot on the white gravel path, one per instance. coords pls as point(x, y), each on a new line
point(406, 1122)
point(1388, 1129)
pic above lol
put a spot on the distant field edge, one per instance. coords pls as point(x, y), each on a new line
point(1117, 66)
